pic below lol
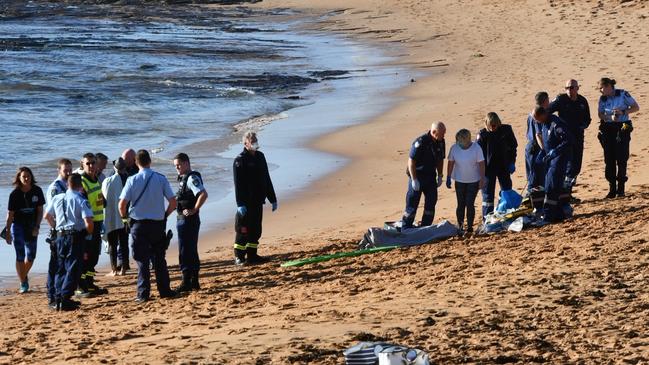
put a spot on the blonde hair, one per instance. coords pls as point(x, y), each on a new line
point(463, 135)
point(492, 118)
point(248, 136)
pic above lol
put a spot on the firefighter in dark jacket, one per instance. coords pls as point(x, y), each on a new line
point(499, 147)
point(252, 186)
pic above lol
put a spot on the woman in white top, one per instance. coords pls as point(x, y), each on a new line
point(467, 167)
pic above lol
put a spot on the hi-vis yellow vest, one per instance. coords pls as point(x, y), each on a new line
point(95, 197)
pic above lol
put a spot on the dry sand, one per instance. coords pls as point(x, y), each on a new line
point(569, 293)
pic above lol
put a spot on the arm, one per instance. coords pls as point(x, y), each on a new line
point(587, 117)
point(481, 167)
point(90, 225)
point(440, 168)
point(123, 203)
point(39, 219)
point(10, 220)
point(539, 140)
point(270, 194)
point(449, 167)
point(50, 220)
point(238, 176)
point(171, 207)
point(412, 169)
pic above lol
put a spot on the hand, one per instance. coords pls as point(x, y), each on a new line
point(242, 210)
point(512, 168)
point(188, 212)
point(274, 206)
point(550, 155)
point(9, 239)
point(439, 180)
point(127, 225)
point(448, 182)
point(415, 184)
point(35, 231)
point(482, 183)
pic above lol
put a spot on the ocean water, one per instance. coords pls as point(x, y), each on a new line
point(76, 79)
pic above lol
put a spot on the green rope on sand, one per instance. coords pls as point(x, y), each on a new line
point(315, 259)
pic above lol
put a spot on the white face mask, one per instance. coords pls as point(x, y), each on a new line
point(254, 146)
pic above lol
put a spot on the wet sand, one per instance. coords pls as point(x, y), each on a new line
point(568, 293)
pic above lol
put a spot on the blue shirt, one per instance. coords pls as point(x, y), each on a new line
point(619, 100)
point(427, 152)
point(533, 128)
point(59, 186)
point(556, 136)
point(151, 203)
point(69, 209)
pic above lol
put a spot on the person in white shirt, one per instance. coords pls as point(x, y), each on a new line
point(466, 166)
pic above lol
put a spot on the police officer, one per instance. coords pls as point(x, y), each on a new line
point(615, 129)
point(70, 214)
point(92, 192)
point(573, 109)
point(557, 141)
point(533, 150)
point(499, 147)
point(252, 186)
point(191, 196)
point(59, 186)
point(146, 192)
point(425, 164)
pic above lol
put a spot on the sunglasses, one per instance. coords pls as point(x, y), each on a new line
point(571, 87)
point(90, 163)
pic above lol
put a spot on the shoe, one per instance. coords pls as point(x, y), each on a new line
point(194, 281)
point(141, 300)
point(112, 273)
point(53, 305)
point(185, 285)
point(540, 223)
point(122, 271)
point(256, 259)
point(67, 305)
point(95, 290)
point(239, 261)
point(612, 191)
point(24, 287)
point(170, 294)
point(82, 293)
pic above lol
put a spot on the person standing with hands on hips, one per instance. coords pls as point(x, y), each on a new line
point(252, 186)
point(190, 197)
point(615, 129)
point(425, 165)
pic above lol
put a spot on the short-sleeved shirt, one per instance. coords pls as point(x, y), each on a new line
point(427, 152)
point(533, 128)
point(69, 210)
point(59, 186)
point(194, 183)
point(24, 205)
point(575, 113)
point(467, 163)
point(147, 203)
point(619, 100)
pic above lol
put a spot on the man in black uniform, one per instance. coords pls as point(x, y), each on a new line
point(573, 109)
point(190, 197)
point(252, 186)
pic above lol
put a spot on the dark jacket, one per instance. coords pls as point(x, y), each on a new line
point(252, 184)
point(499, 147)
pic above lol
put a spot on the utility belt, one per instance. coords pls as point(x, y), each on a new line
point(614, 127)
point(69, 232)
point(144, 221)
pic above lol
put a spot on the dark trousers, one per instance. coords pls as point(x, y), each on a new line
point(466, 194)
point(149, 244)
point(91, 252)
point(412, 202)
point(248, 230)
point(534, 166)
point(556, 174)
point(188, 228)
point(70, 251)
point(574, 164)
point(615, 143)
point(52, 269)
point(118, 245)
point(489, 191)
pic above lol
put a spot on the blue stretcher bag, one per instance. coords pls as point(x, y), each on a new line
point(509, 199)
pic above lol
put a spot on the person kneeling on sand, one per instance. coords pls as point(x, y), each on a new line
point(467, 167)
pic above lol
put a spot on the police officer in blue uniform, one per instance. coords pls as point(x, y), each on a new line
point(425, 166)
point(615, 129)
point(573, 109)
point(190, 196)
point(146, 192)
point(59, 186)
point(70, 214)
point(252, 186)
point(499, 148)
point(557, 141)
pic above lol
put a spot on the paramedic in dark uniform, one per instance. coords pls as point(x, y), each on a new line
point(191, 196)
point(615, 129)
point(70, 214)
point(59, 186)
point(573, 109)
point(252, 186)
point(425, 164)
point(534, 166)
point(557, 141)
point(146, 192)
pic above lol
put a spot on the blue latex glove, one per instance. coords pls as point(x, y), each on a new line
point(415, 184)
point(448, 182)
point(274, 206)
point(512, 168)
point(242, 210)
point(550, 155)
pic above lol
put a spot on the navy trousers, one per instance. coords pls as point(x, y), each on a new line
point(534, 166)
point(574, 164)
point(70, 250)
point(412, 202)
point(148, 242)
point(52, 269)
point(554, 178)
point(615, 143)
point(188, 228)
point(489, 191)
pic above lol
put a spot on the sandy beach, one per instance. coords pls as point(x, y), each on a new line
point(569, 293)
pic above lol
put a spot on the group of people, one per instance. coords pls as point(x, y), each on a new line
point(131, 205)
point(553, 156)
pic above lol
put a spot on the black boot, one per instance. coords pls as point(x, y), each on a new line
point(195, 284)
point(620, 188)
point(239, 257)
point(612, 191)
point(186, 284)
point(253, 257)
